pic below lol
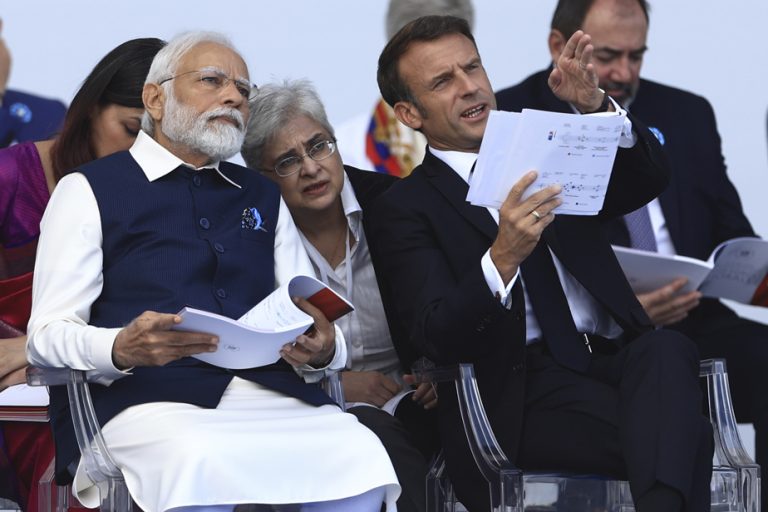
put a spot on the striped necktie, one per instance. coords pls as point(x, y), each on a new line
point(640, 230)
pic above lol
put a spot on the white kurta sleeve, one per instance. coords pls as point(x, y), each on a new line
point(67, 280)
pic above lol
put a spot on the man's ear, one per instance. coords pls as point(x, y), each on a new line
point(153, 97)
point(407, 113)
point(556, 42)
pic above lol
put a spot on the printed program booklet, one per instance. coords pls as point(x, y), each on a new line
point(256, 338)
point(737, 270)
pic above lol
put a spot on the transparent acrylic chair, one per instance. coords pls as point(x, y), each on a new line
point(97, 462)
point(735, 481)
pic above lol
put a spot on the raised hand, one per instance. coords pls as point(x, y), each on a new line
point(574, 78)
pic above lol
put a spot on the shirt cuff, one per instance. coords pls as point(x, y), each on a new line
point(494, 280)
point(312, 374)
point(627, 138)
point(101, 352)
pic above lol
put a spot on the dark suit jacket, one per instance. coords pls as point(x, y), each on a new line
point(429, 245)
point(368, 186)
point(701, 206)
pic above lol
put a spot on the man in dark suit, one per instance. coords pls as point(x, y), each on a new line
point(700, 208)
point(562, 349)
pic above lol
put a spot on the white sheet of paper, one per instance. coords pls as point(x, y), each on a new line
point(573, 150)
point(23, 395)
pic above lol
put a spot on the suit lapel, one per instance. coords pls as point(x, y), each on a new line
point(454, 190)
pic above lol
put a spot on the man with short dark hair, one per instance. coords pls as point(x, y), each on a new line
point(572, 375)
point(699, 210)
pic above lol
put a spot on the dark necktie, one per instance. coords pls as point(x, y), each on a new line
point(551, 309)
point(640, 230)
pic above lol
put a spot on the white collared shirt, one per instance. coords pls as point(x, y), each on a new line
point(369, 344)
point(68, 272)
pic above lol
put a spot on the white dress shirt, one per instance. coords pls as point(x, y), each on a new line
point(369, 344)
point(68, 273)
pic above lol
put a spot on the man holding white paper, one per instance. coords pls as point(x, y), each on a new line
point(129, 240)
point(538, 303)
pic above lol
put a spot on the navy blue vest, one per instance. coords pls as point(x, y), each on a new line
point(183, 239)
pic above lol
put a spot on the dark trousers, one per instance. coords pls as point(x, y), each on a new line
point(720, 333)
point(635, 414)
point(410, 440)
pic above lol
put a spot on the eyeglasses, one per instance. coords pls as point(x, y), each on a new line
point(293, 164)
point(215, 80)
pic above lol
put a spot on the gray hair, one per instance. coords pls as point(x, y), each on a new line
point(401, 12)
point(167, 60)
point(275, 105)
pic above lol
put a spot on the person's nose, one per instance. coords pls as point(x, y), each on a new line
point(309, 168)
point(468, 86)
point(231, 95)
point(621, 70)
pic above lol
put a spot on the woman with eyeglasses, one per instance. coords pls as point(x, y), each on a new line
point(290, 140)
point(104, 117)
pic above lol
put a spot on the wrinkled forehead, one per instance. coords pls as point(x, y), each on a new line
point(423, 60)
point(209, 56)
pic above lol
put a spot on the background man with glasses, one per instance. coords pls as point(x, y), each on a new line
point(130, 239)
point(290, 140)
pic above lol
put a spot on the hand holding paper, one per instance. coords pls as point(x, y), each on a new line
point(521, 222)
point(316, 346)
point(260, 336)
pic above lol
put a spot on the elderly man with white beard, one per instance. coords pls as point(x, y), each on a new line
point(130, 239)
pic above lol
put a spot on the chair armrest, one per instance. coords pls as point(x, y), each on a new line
point(97, 461)
point(37, 376)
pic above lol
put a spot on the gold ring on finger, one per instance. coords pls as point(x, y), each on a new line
point(536, 214)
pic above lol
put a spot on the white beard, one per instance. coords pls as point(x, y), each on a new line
point(219, 140)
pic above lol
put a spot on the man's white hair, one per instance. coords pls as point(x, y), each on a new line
point(166, 62)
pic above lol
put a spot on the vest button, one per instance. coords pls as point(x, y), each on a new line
point(218, 247)
point(204, 223)
point(221, 293)
point(196, 180)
